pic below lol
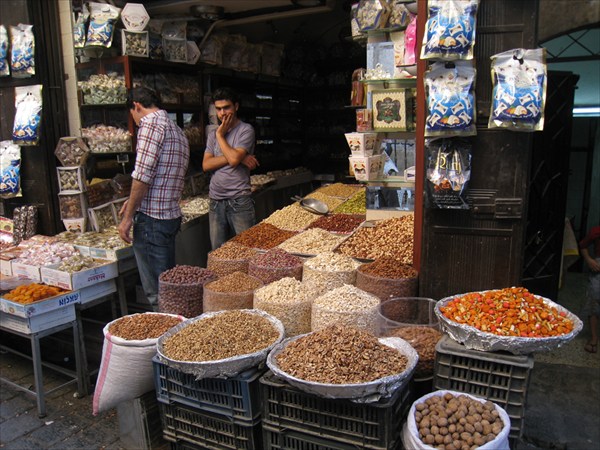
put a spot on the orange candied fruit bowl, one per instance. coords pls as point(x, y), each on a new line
point(33, 292)
point(508, 312)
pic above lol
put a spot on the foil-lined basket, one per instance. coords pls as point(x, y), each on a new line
point(475, 339)
point(221, 368)
point(368, 392)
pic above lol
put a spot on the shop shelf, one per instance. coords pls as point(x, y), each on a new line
point(235, 397)
point(193, 428)
point(500, 377)
point(373, 425)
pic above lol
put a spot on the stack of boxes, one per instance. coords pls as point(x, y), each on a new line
point(72, 152)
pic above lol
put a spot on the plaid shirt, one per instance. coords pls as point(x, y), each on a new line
point(161, 162)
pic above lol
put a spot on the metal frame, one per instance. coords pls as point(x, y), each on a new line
point(36, 357)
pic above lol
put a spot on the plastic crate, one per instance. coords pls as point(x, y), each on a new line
point(190, 426)
point(236, 397)
point(276, 438)
point(139, 423)
point(500, 377)
point(367, 425)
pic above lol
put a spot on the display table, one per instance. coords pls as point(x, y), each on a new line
point(36, 357)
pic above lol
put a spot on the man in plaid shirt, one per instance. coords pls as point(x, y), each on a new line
point(153, 206)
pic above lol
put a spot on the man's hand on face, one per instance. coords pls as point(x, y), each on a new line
point(226, 124)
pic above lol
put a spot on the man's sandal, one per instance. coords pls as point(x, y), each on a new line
point(591, 348)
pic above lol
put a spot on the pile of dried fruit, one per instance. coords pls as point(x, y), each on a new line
point(508, 312)
point(340, 355)
point(33, 292)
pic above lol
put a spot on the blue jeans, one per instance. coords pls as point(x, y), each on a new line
point(227, 218)
point(154, 248)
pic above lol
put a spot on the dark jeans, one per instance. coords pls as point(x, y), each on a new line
point(154, 248)
point(229, 217)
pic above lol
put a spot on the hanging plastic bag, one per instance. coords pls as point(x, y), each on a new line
point(450, 30)
point(519, 93)
point(450, 90)
point(22, 61)
point(79, 29)
point(410, 41)
point(10, 168)
point(4, 69)
point(102, 24)
point(448, 173)
point(28, 102)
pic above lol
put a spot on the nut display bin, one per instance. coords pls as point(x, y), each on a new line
point(386, 288)
point(412, 319)
point(234, 398)
point(345, 423)
point(500, 377)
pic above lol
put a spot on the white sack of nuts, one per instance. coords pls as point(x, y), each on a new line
point(126, 367)
point(347, 362)
point(220, 343)
point(482, 424)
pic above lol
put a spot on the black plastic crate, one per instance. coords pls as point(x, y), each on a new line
point(236, 397)
point(500, 377)
point(374, 425)
point(192, 428)
point(276, 438)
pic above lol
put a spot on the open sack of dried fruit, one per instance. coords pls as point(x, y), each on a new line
point(220, 343)
point(453, 419)
point(510, 319)
point(126, 366)
point(344, 362)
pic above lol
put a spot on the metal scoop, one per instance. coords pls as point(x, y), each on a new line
point(312, 204)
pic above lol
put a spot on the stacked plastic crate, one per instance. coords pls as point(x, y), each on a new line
point(216, 413)
point(500, 377)
point(293, 419)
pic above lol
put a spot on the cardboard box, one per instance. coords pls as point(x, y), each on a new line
point(107, 253)
point(102, 217)
point(134, 16)
point(72, 206)
point(67, 299)
point(367, 168)
point(71, 180)
point(135, 43)
point(38, 323)
point(98, 290)
point(75, 225)
point(393, 109)
point(77, 280)
point(26, 271)
point(363, 144)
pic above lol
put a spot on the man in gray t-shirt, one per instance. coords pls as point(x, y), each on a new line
point(230, 156)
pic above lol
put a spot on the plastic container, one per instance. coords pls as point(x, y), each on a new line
point(414, 320)
point(237, 398)
point(500, 377)
point(184, 425)
point(182, 299)
point(386, 288)
point(288, 411)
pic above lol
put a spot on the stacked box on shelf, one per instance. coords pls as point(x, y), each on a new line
point(500, 377)
point(211, 412)
point(291, 417)
point(40, 315)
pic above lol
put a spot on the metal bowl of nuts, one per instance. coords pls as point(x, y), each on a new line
point(345, 362)
point(220, 343)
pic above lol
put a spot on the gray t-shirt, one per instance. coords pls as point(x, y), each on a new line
point(231, 182)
